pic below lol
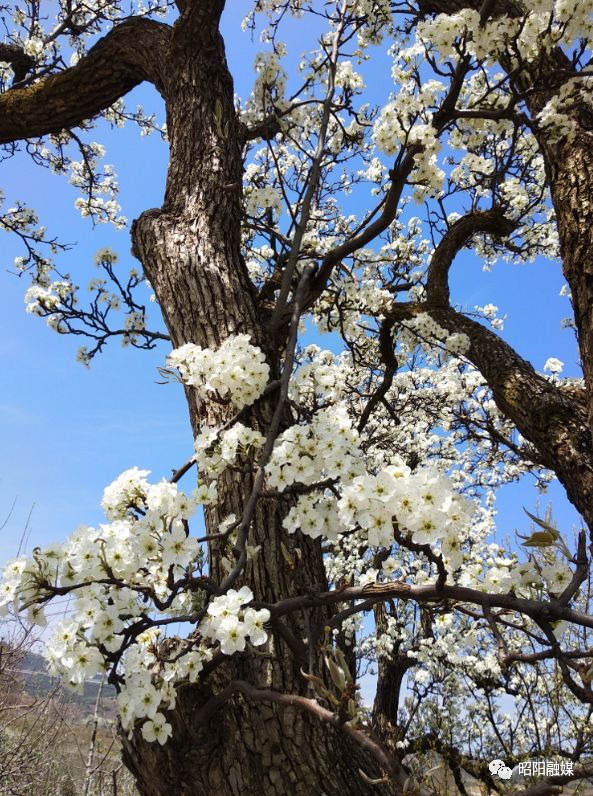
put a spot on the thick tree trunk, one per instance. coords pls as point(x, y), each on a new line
point(131, 52)
point(569, 166)
point(190, 252)
point(572, 189)
point(247, 750)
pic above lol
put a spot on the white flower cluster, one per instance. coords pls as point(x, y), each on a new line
point(40, 300)
point(557, 575)
point(558, 117)
point(377, 15)
point(490, 312)
point(144, 539)
point(216, 449)
point(520, 39)
point(325, 448)
point(443, 31)
point(323, 377)
point(145, 694)
point(230, 625)
point(427, 332)
point(71, 656)
point(396, 126)
point(34, 47)
point(346, 77)
point(407, 120)
point(129, 489)
point(554, 366)
point(123, 574)
point(115, 569)
point(316, 515)
point(269, 88)
point(227, 623)
point(237, 370)
point(423, 503)
point(258, 200)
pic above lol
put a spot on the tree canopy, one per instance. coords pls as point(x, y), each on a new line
point(352, 421)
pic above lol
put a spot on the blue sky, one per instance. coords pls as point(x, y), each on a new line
point(67, 431)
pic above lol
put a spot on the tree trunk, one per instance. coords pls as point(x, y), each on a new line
point(572, 189)
point(391, 673)
point(190, 252)
point(569, 166)
point(247, 750)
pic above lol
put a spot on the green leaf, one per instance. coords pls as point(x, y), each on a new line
point(539, 539)
point(543, 524)
point(343, 664)
point(336, 674)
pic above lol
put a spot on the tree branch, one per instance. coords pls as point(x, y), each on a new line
point(20, 62)
point(547, 416)
point(266, 129)
point(132, 52)
point(390, 203)
point(487, 9)
point(551, 610)
point(457, 236)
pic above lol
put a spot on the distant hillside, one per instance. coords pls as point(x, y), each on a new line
point(32, 672)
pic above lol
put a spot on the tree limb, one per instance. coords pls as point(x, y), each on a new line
point(550, 418)
point(550, 610)
point(132, 52)
point(457, 236)
point(20, 62)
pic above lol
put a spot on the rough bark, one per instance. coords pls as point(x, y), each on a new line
point(248, 749)
point(130, 53)
point(558, 423)
point(190, 251)
point(18, 59)
point(572, 192)
point(569, 166)
point(554, 420)
point(390, 680)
